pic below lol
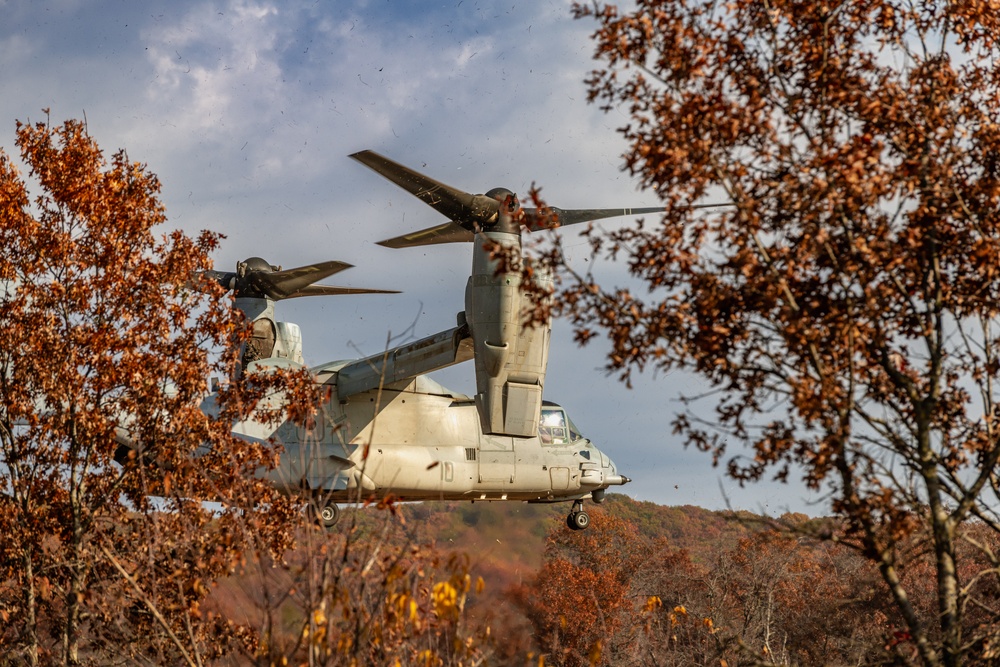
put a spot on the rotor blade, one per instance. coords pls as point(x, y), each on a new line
point(533, 219)
point(283, 284)
point(465, 209)
point(452, 232)
point(449, 232)
point(330, 290)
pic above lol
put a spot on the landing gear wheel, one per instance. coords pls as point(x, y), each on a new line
point(328, 515)
point(577, 519)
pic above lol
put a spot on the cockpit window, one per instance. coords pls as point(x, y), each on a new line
point(574, 432)
point(556, 428)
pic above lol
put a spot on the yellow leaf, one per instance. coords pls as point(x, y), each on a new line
point(595, 653)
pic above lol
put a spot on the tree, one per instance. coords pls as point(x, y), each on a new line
point(580, 600)
point(843, 304)
point(107, 350)
point(614, 595)
point(797, 601)
point(369, 593)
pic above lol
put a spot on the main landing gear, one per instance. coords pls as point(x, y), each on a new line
point(577, 519)
point(326, 513)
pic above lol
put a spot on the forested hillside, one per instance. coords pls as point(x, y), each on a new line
point(509, 583)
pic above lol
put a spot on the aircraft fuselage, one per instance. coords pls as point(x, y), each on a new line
point(416, 440)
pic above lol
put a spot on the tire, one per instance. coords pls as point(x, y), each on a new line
point(328, 515)
point(580, 520)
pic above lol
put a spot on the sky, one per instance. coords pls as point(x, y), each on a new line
point(247, 110)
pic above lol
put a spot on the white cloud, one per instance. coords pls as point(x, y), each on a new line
point(214, 67)
point(247, 110)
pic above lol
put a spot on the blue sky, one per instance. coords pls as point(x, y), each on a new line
point(247, 110)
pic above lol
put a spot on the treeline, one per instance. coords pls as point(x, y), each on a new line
point(508, 584)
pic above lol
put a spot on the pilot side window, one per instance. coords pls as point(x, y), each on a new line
point(553, 428)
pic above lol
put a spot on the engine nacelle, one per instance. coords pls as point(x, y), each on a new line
point(270, 338)
point(510, 357)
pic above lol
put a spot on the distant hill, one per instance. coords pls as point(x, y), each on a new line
point(504, 542)
point(516, 532)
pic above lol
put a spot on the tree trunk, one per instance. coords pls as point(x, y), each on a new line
point(75, 594)
point(30, 604)
point(947, 588)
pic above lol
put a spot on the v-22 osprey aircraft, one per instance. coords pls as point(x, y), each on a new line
point(386, 428)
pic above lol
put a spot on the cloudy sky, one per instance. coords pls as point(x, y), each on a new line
point(247, 110)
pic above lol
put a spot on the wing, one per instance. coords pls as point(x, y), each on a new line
point(423, 356)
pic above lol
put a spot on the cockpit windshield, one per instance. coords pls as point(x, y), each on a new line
point(556, 428)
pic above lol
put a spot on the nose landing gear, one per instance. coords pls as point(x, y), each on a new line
point(577, 519)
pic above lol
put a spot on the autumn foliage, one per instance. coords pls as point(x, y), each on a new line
point(839, 299)
point(134, 528)
point(107, 350)
point(644, 585)
point(370, 593)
